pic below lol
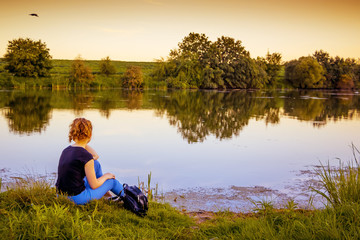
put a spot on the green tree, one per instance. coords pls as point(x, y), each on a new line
point(229, 56)
point(28, 58)
point(106, 67)
point(343, 72)
point(194, 43)
point(132, 78)
point(249, 74)
point(80, 73)
point(324, 59)
point(357, 74)
point(272, 66)
point(305, 72)
point(339, 72)
point(161, 72)
point(188, 72)
point(189, 61)
point(200, 63)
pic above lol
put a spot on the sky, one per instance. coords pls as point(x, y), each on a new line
point(146, 30)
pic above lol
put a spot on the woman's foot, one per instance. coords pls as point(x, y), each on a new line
point(114, 199)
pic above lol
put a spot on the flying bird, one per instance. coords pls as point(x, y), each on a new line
point(34, 15)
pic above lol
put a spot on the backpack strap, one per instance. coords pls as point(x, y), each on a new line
point(125, 185)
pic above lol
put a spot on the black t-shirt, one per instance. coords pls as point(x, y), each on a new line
point(71, 170)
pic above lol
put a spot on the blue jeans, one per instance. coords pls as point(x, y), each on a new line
point(89, 194)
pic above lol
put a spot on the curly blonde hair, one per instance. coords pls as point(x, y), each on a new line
point(80, 129)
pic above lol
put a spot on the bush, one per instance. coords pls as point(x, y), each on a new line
point(27, 58)
point(133, 78)
point(106, 67)
point(79, 73)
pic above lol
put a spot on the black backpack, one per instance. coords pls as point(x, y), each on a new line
point(135, 200)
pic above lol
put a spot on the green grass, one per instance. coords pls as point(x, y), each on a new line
point(341, 186)
point(60, 75)
point(30, 209)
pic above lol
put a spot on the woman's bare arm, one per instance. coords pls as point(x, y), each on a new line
point(91, 176)
point(92, 152)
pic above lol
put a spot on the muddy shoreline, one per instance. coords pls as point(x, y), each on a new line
point(239, 199)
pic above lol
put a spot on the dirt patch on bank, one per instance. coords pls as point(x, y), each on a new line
point(203, 216)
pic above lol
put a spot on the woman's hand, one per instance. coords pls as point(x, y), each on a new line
point(109, 175)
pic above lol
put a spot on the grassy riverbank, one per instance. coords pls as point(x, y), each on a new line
point(31, 210)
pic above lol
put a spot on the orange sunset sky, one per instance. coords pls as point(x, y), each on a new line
point(144, 30)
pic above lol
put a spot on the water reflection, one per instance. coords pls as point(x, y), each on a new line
point(199, 114)
point(196, 114)
point(106, 105)
point(223, 114)
point(320, 107)
point(134, 99)
point(27, 112)
point(81, 101)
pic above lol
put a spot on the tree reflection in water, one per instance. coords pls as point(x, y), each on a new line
point(81, 100)
point(321, 107)
point(196, 114)
point(134, 99)
point(28, 112)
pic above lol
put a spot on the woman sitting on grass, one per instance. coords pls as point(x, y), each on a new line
point(79, 172)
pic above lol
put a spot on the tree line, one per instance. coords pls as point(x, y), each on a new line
point(225, 64)
point(200, 63)
point(322, 71)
